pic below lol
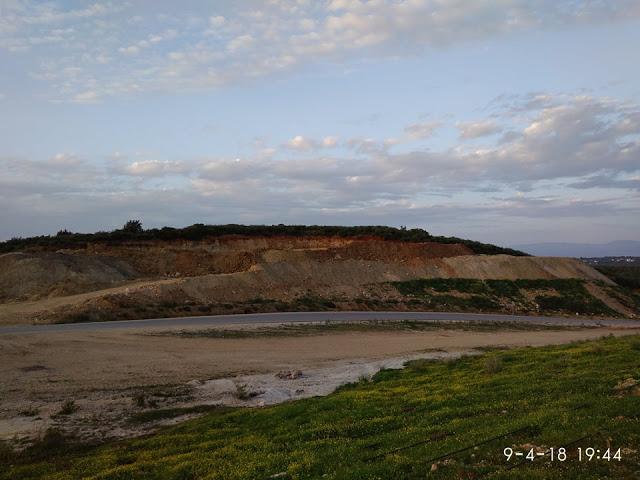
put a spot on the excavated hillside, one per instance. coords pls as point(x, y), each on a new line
point(37, 275)
point(232, 254)
point(30, 276)
point(239, 274)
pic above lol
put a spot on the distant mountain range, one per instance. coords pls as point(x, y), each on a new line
point(618, 248)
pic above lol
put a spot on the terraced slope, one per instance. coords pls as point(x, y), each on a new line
point(244, 274)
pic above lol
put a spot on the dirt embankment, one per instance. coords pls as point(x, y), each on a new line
point(33, 276)
point(238, 254)
point(30, 276)
point(164, 278)
point(507, 267)
point(284, 280)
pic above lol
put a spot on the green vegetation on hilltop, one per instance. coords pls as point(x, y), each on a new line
point(419, 422)
point(133, 232)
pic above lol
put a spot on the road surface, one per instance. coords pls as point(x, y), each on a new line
point(304, 317)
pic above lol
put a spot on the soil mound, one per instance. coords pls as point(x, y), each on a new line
point(285, 280)
point(236, 272)
point(507, 267)
point(37, 275)
point(286, 261)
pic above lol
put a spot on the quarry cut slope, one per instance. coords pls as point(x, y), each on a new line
point(237, 269)
point(285, 280)
point(232, 254)
point(29, 276)
point(507, 267)
point(37, 275)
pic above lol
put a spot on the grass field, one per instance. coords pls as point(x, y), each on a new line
point(433, 419)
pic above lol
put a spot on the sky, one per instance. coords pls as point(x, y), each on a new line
point(503, 121)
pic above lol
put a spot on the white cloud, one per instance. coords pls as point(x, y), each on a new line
point(307, 24)
point(417, 131)
point(241, 42)
point(154, 168)
point(256, 40)
point(567, 139)
point(216, 20)
point(345, 5)
point(301, 144)
point(574, 143)
point(330, 142)
point(477, 129)
point(223, 170)
point(64, 160)
point(267, 152)
point(45, 13)
point(130, 50)
point(86, 97)
point(568, 161)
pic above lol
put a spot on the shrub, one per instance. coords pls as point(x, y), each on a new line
point(30, 412)
point(139, 399)
point(68, 408)
point(133, 226)
point(483, 303)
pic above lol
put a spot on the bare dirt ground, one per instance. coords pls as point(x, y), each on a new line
point(105, 378)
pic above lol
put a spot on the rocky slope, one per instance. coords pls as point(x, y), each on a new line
point(233, 270)
point(30, 276)
point(232, 254)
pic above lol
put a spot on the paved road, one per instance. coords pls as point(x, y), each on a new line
point(302, 317)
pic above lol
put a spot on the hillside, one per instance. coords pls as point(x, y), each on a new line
point(30, 276)
point(146, 277)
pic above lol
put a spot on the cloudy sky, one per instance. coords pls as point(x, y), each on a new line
point(506, 121)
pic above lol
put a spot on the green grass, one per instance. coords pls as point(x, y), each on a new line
point(504, 288)
point(626, 276)
point(396, 425)
point(464, 285)
point(307, 329)
point(561, 296)
point(583, 305)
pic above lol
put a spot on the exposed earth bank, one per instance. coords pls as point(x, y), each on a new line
point(236, 274)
